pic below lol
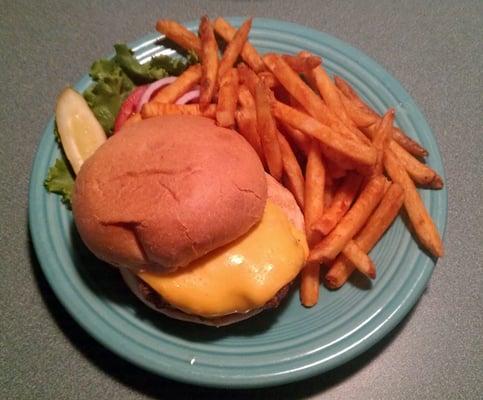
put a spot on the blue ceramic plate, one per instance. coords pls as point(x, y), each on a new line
point(276, 347)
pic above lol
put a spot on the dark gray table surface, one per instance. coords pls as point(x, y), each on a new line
point(433, 47)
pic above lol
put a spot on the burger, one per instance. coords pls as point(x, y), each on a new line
point(187, 213)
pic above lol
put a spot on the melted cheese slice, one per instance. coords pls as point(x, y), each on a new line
point(240, 276)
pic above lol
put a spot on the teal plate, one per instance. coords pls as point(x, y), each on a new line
point(281, 346)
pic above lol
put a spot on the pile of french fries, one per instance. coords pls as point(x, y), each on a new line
point(349, 169)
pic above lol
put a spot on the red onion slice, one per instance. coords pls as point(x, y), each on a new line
point(152, 88)
point(189, 96)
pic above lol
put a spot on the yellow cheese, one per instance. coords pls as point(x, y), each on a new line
point(240, 276)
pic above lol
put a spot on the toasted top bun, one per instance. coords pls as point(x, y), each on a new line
point(278, 195)
point(166, 191)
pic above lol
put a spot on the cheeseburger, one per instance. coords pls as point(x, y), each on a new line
point(186, 212)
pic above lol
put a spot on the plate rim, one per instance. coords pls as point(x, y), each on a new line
point(384, 329)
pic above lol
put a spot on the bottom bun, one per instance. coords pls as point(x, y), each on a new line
point(278, 195)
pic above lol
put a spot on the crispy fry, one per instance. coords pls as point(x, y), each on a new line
point(268, 79)
point(268, 131)
point(301, 64)
point(292, 82)
point(359, 259)
point(234, 48)
point(136, 117)
point(300, 139)
point(408, 144)
point(314, 207)
point(398, 135)
point(179, 34)
point(314, 105)
point(293, 172)
point(245, 98)
point(381, 140)
point(351, 94)
point(246, 120)
point(359, 116)
point(341, 269)
point(248, 77)
point(335, 170)
point(227, 99)
point(329, 190)
point(328, 91)
point(180, 86)
point(209, 62)
point(309, 284)
point(419, 172)
point(343, 199)
point(421, 221)
point(248, 52)
point(351, 223)
point(154, 109)
point(314, 189)
point(335, 146)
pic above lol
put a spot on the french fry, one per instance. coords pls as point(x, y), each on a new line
point(292, 171)
point(335, 146)
point(136, 117)
point(268, 79)
point(314, 105)
point(359, 259)
point(314, 189)
point(360, 117)
point(419, 172)
point(334, 170)
point(292, 82)
point(341, 202)
point(180, 86)
point(234, 48)
point(381, 140)
point(341, 269)
point(421, 221)
point(209, 62)
point(328, 91)
point(398, 135)
point(227, 99)
point(268, 131)
point(351, 132)
point(300, 139)
point(179, 34)
point(314, 207)
point(301, 64)
point(331, 245)
point(248, 77)
point(309, 284)
point(245, 98)
point(246, 120)
point(329, 190)
point(408, 144)
point(248, 53)
point(154, 109)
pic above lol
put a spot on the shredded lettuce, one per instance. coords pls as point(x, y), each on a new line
point(59, 180)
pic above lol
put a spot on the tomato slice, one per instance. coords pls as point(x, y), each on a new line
point(129, 106)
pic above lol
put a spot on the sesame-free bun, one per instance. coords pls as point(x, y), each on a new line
point(276, 194)
point(167, 190)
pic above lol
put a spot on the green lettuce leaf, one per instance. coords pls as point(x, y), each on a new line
point(59, 180)
point(114, 80)
point(111, 87)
